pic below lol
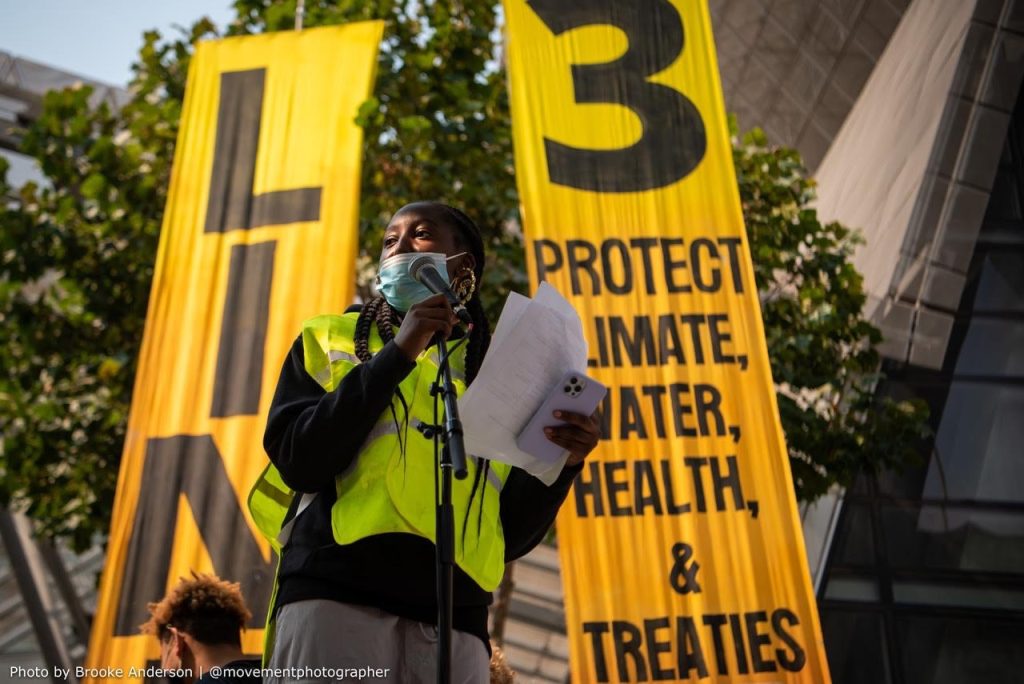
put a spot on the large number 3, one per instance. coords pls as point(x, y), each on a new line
point(673, 140)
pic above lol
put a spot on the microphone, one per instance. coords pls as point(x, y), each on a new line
point(423, 270)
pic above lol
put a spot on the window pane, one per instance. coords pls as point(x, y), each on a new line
point(864, 590)
point(986, 597)
point(954, 538)
point(946, 650)
point(993, 347)
point(1004, 202)
point(1002, 282)
point(978, 446)
point(853, 541)
point(861, 485)
point(855, 647)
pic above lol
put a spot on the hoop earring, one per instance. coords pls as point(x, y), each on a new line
point(466, 285)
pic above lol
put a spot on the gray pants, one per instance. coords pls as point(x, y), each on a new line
point(321, 641)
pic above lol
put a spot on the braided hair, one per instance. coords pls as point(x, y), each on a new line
point(377, 310)
point(386, 318)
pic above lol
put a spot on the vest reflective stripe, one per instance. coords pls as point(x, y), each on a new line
point(286, 531)
point(389, 487)
point(494, 479)
point(383, 427)
point(335, 355)
point(458, 373)
point(269, 500)
point(283, 497)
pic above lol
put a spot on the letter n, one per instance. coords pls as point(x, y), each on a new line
point(189, 465)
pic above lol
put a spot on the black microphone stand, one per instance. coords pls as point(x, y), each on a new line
point(452, 457)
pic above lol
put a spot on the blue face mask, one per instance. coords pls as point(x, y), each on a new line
point(399, 288)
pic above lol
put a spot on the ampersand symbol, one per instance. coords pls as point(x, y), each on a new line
point(683, 577)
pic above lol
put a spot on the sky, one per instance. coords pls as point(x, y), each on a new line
point(96, 39)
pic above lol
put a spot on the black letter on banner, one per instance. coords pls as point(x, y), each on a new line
point(655, 648)
point(691, 653)
point(543, 265)
point(758, 641)
point(796, 661)
point(596, 630)
point(232, 206)
point(628, 641)
point(189, 465)
point(243, 331)
point(584, 488)
point(673, 140)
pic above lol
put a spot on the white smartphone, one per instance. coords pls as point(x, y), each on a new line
point(576, 393)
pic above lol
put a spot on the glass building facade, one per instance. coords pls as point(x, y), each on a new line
point(925, 578)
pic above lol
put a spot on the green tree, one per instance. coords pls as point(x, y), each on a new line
point(437, 125)
point(76, 256)
point(822, 350)
point(76, 262)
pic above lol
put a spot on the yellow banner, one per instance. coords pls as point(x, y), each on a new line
point(260, 233)
point(681, 551)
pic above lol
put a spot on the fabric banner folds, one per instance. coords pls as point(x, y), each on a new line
point(681, 551)
point(260, 233)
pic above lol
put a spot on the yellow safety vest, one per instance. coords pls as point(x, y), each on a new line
point(384, 490)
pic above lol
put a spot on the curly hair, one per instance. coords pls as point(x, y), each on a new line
point(207, 608)
point(501, 671)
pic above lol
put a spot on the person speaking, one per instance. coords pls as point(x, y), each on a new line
point(356, 584)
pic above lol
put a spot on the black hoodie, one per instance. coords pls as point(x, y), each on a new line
point(311, 436)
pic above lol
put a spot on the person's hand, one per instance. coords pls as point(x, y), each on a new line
point(422, 321)
point(578, 435)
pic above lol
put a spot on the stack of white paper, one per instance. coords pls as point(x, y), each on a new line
point(536, 343)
